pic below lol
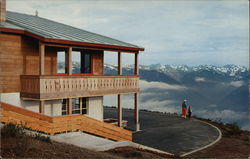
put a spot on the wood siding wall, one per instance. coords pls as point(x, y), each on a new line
point(19, 56)
point(97, 63)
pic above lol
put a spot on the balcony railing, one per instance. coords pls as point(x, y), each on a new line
point(58, 87)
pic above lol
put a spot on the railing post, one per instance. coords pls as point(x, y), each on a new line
point(136, 111)
point(41, 58)
point(119, 63)
point(119, 102)
point(136, 68)
point(41, 107)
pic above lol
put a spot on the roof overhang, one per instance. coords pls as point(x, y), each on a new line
point(73, 43)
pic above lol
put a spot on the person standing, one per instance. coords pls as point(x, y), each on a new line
point(184, 109)
point(189, 111)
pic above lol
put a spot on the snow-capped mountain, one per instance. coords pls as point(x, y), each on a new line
point(183, 73)
point(232, 70)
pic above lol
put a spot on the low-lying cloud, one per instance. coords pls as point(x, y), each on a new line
point(159, 85)
point(237, 83)
point(200, 79)
point(229, 116)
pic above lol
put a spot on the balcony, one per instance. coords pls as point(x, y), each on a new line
point(45, 87)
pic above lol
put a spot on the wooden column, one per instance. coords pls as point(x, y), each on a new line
point(41, 107)
point(136, 69)
point(119, 63)
point(69, 61)
point(119, 102)
point(69, 106)
point(41, 71)
point(136, 111)
point(41, 58)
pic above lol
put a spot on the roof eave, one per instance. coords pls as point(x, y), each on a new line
point(68, 42)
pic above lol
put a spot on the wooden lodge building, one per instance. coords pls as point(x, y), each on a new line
point(32, 91)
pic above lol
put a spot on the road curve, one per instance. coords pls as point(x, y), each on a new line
point(168, 132)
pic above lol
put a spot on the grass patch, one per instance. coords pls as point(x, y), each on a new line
point(43, 138)
point(12, 130)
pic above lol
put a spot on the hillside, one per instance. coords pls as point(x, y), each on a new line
point(15, 143)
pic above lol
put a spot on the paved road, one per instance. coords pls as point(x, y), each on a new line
point(167, 132)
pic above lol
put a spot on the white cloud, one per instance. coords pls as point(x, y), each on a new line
point(237, 83)
point(180, 32)
point(161, 106)
point(144, 85)
point(200, 79)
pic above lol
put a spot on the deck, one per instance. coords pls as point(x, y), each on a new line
point(60, 124)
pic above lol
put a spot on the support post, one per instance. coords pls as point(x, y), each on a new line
point(69, 106)
point(69, 61)
point(119, 63)
point(119, 102)
point(41, 107)
point(136, 111)
point(136, 68)
point(41, 58)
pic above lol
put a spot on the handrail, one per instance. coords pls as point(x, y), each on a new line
point(25, 112)
point(77, 76)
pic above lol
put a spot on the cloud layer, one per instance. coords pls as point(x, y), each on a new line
point(179, 32)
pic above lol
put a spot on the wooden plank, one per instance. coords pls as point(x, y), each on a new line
point(24, 118)
point(24, 112)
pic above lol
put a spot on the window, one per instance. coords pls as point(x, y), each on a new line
point(84, 105)
point(76, 62)
point(61, 62)
point(76, 106)
point(64, 106)
point(79, 106)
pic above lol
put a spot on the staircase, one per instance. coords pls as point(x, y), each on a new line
point(60, 124)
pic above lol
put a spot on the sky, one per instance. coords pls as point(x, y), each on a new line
point(176, 32)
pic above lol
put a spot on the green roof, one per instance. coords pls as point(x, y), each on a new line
point(54, 30)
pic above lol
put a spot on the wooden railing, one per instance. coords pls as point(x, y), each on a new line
point(53, 125)
point(57, 87)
